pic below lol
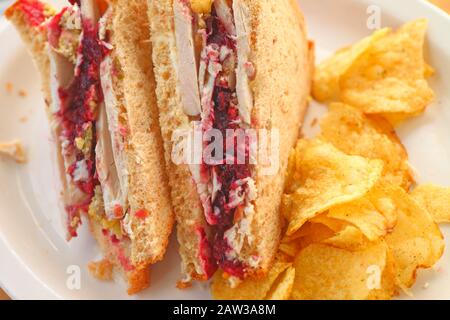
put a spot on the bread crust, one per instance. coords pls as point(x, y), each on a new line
point(148, 181)
point(280, 93)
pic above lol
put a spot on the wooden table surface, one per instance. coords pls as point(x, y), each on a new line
point(444, 4)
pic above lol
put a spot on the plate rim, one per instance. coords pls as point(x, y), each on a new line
point(30, 285)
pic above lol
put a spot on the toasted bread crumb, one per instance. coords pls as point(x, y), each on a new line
point(13, 150)
point(9, 87)
point(102, 270)
point(314, 122)
point(183, 284)
point(22, 93)
point(138, 280)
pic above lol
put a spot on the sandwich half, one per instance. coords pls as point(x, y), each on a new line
point(99, 89)
point(223, 66)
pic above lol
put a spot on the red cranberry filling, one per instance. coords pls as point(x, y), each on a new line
point(206, 256)
point(224, 115)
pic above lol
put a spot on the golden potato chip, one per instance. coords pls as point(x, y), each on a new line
point(326, 177)
point(327, 74)
point(389, 77)
point(388, 287)
point(291, 248)
point(309, 233)
point(282, 288)
point(354, 133)
point(315, 228)
point(350, 238)
point(324, 272)
point(249, 289)
point(333, 224)
point(429, 71)
point(435, 199)
point(380, 198)
point(364, 215)
point(416, 241)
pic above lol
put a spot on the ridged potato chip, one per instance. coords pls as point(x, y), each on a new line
point(323, 272)
point(364, 215)
point(350, 238)
point(390, 77)
point(249, 289)
point(328, 73)
point(282, 288)
point(388, 287)
point(354, 133)
point(326, 177)
point(435, 199)
point(416, 241)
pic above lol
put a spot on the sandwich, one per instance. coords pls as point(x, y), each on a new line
point(99, 90)
point(225, 66)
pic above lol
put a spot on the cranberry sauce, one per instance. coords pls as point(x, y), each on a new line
point(206, 255)
point(224, 115)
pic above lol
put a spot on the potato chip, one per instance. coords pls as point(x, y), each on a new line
point(328, 73)
point(249, 289)
point(354, 133)
point(309, 233)
point(380, 198)
point(364, 215)
point(333, 224)
point(435, 199)
point(327, 273)
point(389, 77)
point(429, 71)
point(387, 287)
point(291, 248)
point(350, 238)
point(326, 177)
point(315, 228)
point(416, 241)
point(282, 288)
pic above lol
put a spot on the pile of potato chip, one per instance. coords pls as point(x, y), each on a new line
point(357, 227)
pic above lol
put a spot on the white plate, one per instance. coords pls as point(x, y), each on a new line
point(35, 258)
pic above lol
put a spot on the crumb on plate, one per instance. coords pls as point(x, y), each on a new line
point(13, 150)
point(102, 270)
point(9, 87)
point(22, 93)
point(184, 284)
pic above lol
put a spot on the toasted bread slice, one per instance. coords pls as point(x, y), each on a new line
point(148, 182)
point(283, 58)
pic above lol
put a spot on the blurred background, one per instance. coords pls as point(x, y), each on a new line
point(443, 4)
